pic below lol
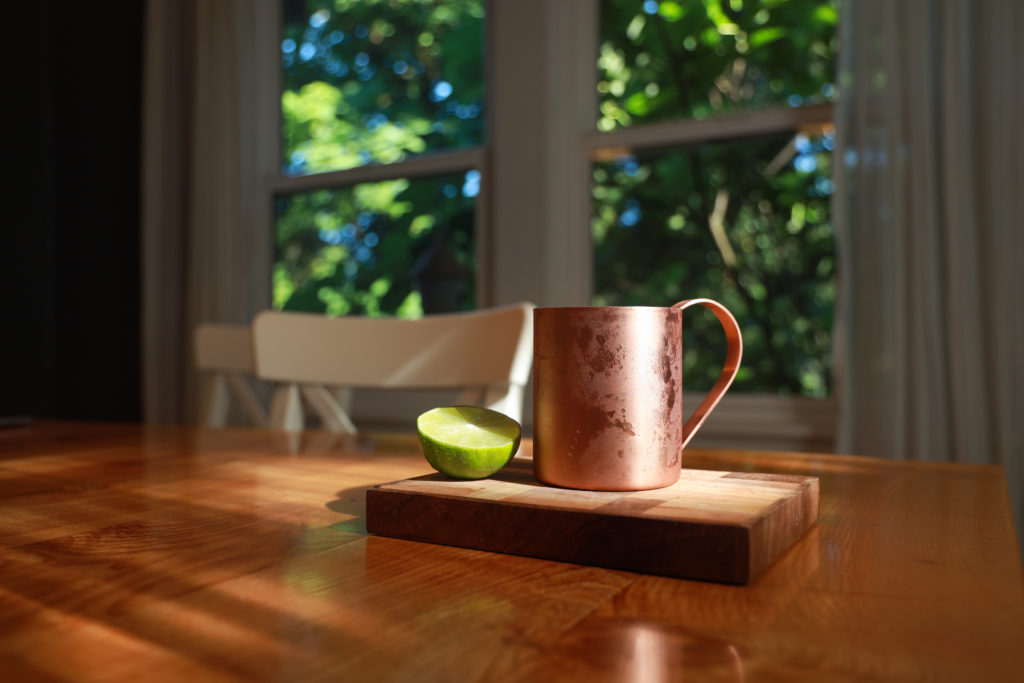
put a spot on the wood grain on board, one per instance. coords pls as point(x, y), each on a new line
point(710, 525)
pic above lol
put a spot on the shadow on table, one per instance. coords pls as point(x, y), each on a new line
point(350, 501)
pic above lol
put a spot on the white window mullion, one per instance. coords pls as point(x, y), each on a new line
point(484, 236)
point(542, 102)
point(266, 141)
point(572, 39)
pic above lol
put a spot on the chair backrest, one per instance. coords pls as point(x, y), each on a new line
point(491, 350)
point(224, 353)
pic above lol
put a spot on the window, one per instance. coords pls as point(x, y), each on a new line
point(739, 210)
point(621, 152)
point(381, 125)
point(390, 247)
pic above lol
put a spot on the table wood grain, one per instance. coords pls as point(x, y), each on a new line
point(169, 553)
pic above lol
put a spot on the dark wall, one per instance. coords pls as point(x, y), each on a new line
point(69, 258)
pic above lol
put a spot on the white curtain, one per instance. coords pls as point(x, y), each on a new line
point(929, 211)
point(202, 258)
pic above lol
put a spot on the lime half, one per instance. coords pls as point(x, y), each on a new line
point(467, 442)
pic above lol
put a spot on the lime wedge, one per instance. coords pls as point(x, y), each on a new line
point(467, 442)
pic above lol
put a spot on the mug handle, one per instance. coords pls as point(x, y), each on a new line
point(733, 355)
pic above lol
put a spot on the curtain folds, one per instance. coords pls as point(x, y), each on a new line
point(201, 260)
point(928, 211)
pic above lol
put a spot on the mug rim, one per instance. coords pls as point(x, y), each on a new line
point(593, 308)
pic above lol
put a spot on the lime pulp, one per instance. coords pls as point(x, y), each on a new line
point(468, 442)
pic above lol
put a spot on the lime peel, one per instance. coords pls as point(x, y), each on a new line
point(468, 442)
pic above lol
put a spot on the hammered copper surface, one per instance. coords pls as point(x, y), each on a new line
point(608, 382)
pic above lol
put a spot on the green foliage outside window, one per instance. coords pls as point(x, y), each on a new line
point(375, 81)
point(742, 221)
point(701, 58)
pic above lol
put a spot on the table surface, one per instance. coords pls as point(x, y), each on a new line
point(170, 553)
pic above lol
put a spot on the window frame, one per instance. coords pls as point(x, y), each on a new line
point(535, 166)
point(275, 182)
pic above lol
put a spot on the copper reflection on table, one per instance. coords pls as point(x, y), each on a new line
point(641, 651)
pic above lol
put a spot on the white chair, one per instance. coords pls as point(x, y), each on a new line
point(224, 353)
point(487, 353)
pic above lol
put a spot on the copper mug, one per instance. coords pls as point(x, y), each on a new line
point(608, 394)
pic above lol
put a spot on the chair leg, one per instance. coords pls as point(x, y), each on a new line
point(343, 395)
point(286, 409)
point(322, 401)
point(215, 401)
point(247, 398)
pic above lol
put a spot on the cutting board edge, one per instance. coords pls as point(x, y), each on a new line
point(666, 548)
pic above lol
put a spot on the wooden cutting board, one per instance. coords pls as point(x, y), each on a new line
point(714, 526)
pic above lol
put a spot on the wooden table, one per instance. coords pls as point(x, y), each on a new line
point(163, 553)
